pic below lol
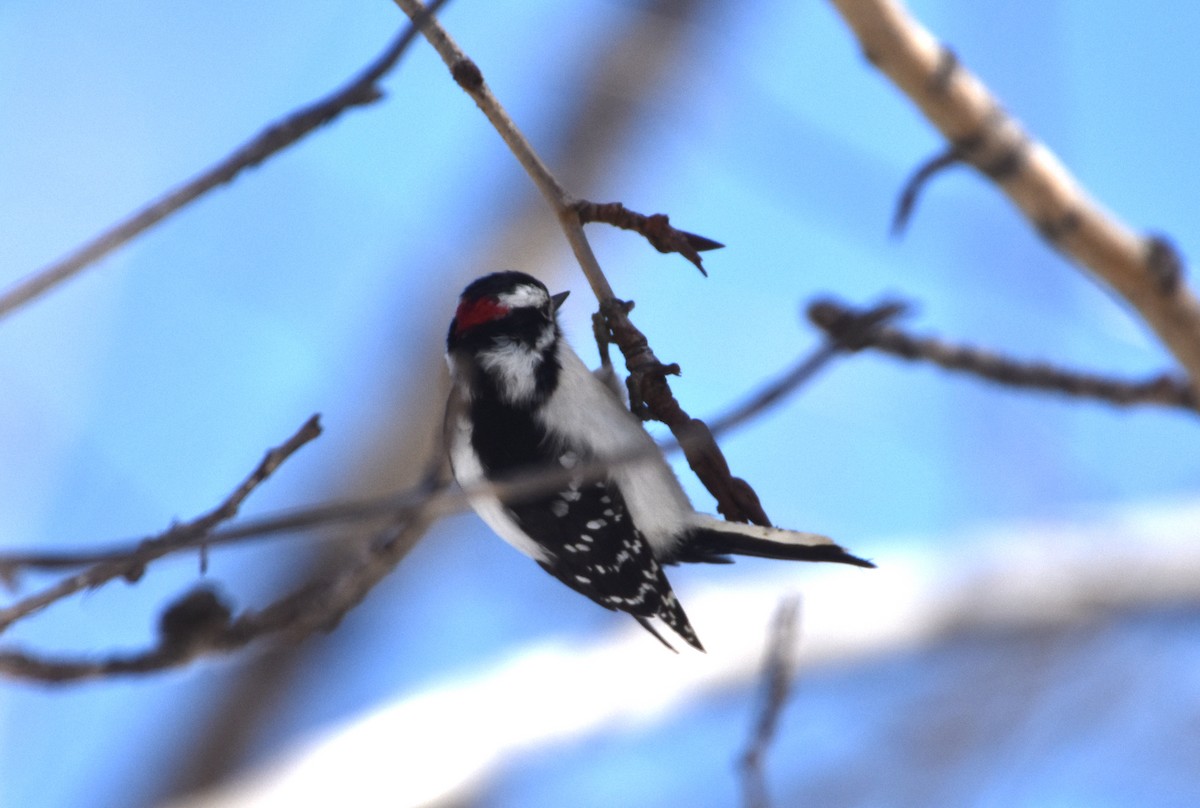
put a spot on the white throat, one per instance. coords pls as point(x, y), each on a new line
point(513, 366)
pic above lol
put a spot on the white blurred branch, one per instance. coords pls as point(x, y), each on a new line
point(1028, 575)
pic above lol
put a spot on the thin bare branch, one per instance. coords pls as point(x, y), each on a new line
point(200, 624)
point(991, 140)
point(360, 91)
point(778, 674)
point(1163, 390)
point(442, 500)
point(190, 534)
point(650, 397)
point(469, 77)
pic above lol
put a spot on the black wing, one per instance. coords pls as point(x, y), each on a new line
point(585, 528)
point(598, 551)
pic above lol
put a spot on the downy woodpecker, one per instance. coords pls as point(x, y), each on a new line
point(522, 399)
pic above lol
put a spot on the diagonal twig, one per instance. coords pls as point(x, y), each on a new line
point(360, 91)
point(199, 625)
point(907, 202)
point(857, 329)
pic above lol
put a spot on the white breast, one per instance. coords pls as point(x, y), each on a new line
point(583, 412)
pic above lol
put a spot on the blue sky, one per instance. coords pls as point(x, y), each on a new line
point(142, 391)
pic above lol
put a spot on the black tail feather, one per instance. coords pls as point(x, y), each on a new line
point(671, 613)
point(705, 545)
point(646, 624)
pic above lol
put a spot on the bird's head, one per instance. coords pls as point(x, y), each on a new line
point(503, 308)
point(506, 326)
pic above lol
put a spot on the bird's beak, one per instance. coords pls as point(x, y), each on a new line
point(558, 299)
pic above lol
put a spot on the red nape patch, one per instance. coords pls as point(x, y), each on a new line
point(475, 312)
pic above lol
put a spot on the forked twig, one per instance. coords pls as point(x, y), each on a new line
point(656, 229)
point(835, 318)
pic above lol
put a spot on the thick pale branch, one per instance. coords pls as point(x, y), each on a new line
point(985, 136)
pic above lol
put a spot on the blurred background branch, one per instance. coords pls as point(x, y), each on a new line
point(363, 90)
point(778, 673)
